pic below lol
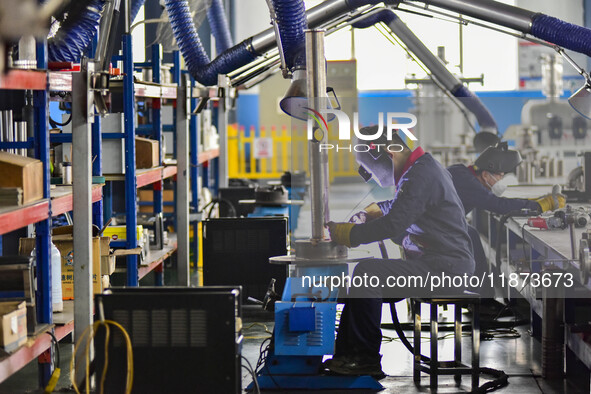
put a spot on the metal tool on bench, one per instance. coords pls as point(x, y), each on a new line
point(561, 219)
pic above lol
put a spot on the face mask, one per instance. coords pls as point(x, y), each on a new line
point(498, 188)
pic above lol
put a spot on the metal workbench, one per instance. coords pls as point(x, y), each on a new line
point(557, 313)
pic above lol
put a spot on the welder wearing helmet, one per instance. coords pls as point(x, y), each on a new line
point(425, 217)
point(480, 186)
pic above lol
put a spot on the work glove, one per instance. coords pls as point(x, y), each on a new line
point(547, 202)
point(340, 233)
point(369, 213)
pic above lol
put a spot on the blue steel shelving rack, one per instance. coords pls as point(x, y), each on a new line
point(41, 212)
point(38, 213)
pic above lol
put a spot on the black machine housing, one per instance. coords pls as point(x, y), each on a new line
point(184, 339)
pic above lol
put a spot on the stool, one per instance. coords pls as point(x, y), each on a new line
point(434, 367)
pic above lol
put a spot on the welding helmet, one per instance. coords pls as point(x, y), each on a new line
point(498, 158)
point(373, 158)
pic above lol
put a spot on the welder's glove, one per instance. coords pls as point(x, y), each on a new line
point(547, 202)
point(340, 232)
point(371, 212)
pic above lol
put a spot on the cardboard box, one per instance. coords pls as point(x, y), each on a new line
point(65, 244)
point(23, 172)
point(146, 153)
point(107, 257)
point(13, 330)
point(147, 195)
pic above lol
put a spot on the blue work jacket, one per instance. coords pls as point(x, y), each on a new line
point(425, 216)
point(475, 195)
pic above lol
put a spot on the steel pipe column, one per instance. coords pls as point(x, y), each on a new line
point(182, 183)
point(82, 180)
point(317, 100)
point(490, 11)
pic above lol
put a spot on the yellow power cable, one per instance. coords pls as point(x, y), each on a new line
point(55, 376)
point(107, 335)
point(86, 333)
point(73, 360)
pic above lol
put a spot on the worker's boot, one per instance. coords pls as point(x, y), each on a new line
point(357, 365)
point(335, 361)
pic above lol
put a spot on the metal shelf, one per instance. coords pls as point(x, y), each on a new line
point(13, 218)
point(169, 171)
point(35, 346)
point(24, 80)
point(156, 257)
point(208, 155)
point(62, 199)
point(146, 176)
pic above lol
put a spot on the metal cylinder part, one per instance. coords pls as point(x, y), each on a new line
point(27, 53)
point(67, 173)
point(7, 127)
point(490, 11)
point(21, 135)
point(318, 160)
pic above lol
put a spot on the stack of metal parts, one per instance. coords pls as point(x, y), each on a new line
point(12, 132)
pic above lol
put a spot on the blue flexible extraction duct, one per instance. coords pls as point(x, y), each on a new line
point(216, 16)
point(454, 85)
point(198, 64)
point(292, 22)
point(74, 36)
point(291, 19)
point(474, 105)
point(561, 33)
point(386, 16)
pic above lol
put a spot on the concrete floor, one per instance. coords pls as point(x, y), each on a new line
point(519, 357)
